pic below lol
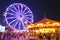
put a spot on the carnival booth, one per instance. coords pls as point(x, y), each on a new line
point(44, 26)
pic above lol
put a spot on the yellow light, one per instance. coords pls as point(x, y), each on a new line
point(4, 14)
point(40, 24)
point(47, 24)
point(46, 30)
point(29, 26)
point(59, 29)
point(36, 31)
point(32, 24)
point(56, 24)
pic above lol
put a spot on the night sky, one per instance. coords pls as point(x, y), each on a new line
point(50, 8)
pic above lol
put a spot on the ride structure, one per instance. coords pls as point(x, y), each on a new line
point(18, 16)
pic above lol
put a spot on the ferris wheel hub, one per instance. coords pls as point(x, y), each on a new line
point(19, 16)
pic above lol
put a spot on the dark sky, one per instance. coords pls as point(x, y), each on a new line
point(38, 7)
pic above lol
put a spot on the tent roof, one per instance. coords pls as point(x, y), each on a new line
point(44, 20)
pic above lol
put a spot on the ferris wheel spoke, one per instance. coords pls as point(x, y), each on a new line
point(21, 8)
point(12, 10)
point(28, 15)
point(10, 17)
point(11, 14)
point(23, 24)
point(18, 8)
point(15, 24)
point(12, 21)
point(27, 20)
point(26, 12)
point(19, 24)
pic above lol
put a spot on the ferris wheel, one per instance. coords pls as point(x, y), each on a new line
point(18, 16)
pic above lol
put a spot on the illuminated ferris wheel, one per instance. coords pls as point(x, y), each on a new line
point(18, 16)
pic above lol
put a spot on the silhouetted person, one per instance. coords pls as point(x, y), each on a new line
point(57, 36)
point(49, 37)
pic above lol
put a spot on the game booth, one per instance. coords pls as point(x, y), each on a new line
point(45, 28)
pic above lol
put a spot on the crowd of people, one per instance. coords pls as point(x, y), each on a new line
point(10, 35)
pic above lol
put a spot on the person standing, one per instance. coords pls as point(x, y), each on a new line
point(49, 37)
point(21, 37)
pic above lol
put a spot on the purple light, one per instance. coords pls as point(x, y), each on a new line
point(18, 15)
